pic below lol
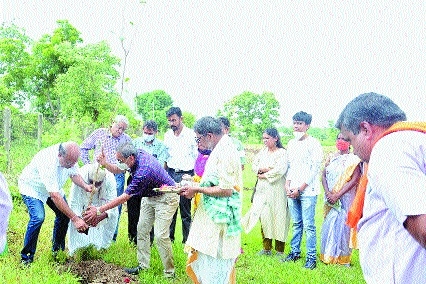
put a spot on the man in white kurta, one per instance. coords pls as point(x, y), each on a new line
point(216, 244)
point(100, 236)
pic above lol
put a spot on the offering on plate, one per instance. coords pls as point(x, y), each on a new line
point(168, 188)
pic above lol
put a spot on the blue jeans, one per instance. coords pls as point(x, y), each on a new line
point(302, 210)
point(36, 211)
point(119, 179)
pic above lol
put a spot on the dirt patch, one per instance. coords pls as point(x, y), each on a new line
point(99, 272)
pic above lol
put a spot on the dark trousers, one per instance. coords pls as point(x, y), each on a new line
point(133, 213)
point(184, 207)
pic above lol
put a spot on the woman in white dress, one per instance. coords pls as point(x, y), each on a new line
point(269, 199)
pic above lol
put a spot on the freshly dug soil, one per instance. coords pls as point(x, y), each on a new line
point(99, 272)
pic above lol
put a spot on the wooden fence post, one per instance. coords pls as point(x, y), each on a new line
point(7, 136)
point(40, 130)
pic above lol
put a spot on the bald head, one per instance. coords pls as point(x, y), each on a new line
point(69, 152)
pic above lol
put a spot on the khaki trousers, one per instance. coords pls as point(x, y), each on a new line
point(157, 211)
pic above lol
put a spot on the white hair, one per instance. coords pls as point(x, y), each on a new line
point(121, 118)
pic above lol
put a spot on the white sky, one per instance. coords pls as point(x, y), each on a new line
point(313, 55)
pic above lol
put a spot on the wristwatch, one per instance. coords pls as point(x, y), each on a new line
point(98, 211)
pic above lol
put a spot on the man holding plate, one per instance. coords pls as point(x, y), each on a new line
point(157, 207)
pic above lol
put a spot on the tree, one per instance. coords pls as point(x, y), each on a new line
point(48, 64)
point(250, 114)
point(154, 105)
point(14, 64)
point(93, 93)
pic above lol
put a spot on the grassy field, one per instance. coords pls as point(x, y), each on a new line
point(251, 268)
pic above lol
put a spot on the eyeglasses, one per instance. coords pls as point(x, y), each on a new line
point(97, 184)
point(341, 138)
point(123, 161)
point(198, 139)
point(68, 164)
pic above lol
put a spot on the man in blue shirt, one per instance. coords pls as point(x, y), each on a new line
point(157, 208)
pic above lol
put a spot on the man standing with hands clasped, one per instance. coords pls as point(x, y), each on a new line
point(183, 152)
point(303, 186)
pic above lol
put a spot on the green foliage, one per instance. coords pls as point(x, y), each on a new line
point(189, 119)
point(88, 253)
point(153, 106)
point(14, 62)
point(93, 93)
point(250, 114)
point(59, 77)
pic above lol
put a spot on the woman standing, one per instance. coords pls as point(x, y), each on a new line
point(270, 200)
point(340, 178)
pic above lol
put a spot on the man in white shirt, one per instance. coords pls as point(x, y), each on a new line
point(183, 151)
point(392, 229)
point(303, 186)
point(41, 182)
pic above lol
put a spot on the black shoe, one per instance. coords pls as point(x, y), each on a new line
point(310, 264)
point(134, 270)
point(26, 262)
point(291, 257)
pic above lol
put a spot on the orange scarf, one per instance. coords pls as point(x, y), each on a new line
point(355, 212)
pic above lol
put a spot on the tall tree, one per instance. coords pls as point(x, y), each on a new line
point(48, 64)
point(154, 105)
point(93, 93)
point(250, 114)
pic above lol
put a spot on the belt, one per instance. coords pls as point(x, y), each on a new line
point(180, 171)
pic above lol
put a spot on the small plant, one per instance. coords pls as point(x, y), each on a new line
point(59, 256)
point(87, 253)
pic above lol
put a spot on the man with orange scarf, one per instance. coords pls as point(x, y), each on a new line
point(390, 207)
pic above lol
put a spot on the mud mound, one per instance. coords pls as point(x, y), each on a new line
point(99, 272)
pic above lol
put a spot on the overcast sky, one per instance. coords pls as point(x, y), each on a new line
point(313, 55)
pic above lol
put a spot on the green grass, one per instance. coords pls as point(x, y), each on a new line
point(251, 268)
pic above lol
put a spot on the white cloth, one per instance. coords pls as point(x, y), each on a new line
point(101, 235)
point(5, 209)
point(304, 164)
point(182, 149)
point(270, 199)
point(44, 174)
point(205, 235)
point(396, 189)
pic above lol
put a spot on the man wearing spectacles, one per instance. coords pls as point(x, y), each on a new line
point(103, 227)
point(157, 208)
point(215, 235)
point(41, 183)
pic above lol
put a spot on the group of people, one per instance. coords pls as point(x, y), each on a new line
point(287, 185)
point(373, 196)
